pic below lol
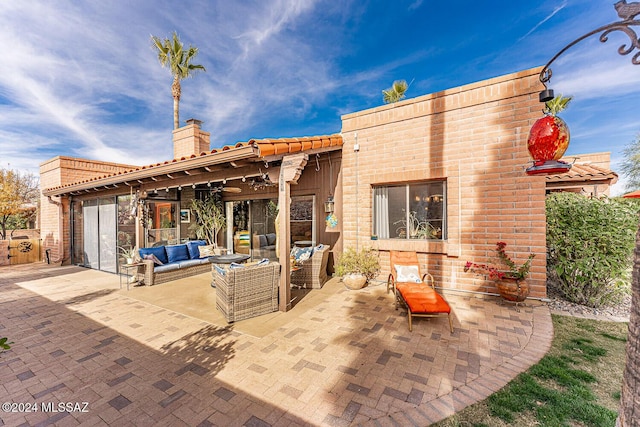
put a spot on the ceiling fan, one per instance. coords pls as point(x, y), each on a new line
point(219, 188)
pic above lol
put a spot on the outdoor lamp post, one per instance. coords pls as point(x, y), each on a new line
point(549, 135)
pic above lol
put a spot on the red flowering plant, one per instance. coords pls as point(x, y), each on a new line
point(513, 271)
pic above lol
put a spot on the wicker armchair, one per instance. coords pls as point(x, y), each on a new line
point(313, 271)
point(242, 293)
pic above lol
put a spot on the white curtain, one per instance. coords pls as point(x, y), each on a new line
point(107, 231)
point(381, 212)
point(90, 233)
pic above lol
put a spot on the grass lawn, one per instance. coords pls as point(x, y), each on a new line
point(576, 384)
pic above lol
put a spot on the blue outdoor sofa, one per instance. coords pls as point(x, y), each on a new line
point(166, 263)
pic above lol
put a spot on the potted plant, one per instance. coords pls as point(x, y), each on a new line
point(129, 253)
point(357, 267)
point(415, 227)
point(209, 219)
point(510, 282)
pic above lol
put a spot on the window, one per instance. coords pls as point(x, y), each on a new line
point(410, 211)
point(302, 220)
point(160, 222)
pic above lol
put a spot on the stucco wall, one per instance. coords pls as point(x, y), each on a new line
point(475, 137)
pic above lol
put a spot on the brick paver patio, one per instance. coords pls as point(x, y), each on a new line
point(347, 360)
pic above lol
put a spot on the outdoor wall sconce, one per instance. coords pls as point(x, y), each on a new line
point(549, 140)
point(329, 205)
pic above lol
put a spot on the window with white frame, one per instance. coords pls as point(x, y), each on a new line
point(410, 211)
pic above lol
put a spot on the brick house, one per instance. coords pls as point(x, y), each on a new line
point(453, 161)
point(468, 145)
point(590, 175)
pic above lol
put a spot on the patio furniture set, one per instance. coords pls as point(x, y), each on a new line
point(245, 291)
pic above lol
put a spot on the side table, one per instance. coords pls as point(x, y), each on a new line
point(127, 270)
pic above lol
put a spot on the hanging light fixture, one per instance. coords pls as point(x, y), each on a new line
point(329, 205)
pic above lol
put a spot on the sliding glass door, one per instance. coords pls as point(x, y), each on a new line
point(91, 234)
point(96, 234)
point(251, 227)
point(303, 221)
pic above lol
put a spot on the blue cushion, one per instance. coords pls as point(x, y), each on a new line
point(302, 254)
point(166, 267)
point(177, 252)
point(159, 252)
point(271, 239)
point(192, 247)
point(189, 262)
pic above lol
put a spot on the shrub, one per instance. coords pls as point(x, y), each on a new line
point(590, 245)
point(363, 262)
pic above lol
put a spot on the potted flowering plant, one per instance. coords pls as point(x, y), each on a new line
point(510, 282)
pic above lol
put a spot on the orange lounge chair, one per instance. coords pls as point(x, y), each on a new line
point(417, 292)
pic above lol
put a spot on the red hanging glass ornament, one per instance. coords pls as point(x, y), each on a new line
point(549, 139)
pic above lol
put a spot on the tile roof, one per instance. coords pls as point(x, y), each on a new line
point(268, 147)
point(632, 195)
point(242, 150)
point(584, 172)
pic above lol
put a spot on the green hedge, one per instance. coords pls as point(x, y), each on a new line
point(590, 245)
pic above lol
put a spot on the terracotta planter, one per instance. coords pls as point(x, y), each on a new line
point(354, 281)
point(512, 289)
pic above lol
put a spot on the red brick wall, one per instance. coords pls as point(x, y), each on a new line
point(190, 140)
point(54, 217)
point(473, 136)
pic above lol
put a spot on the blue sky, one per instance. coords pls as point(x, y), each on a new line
point(81, 79)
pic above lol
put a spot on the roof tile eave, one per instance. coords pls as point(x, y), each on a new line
point(135, 170)
point(268, 146)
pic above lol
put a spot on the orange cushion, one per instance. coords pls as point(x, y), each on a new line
point(423, 299)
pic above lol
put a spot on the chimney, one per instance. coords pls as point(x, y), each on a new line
point(189, 140)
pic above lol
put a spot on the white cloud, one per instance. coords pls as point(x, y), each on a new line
point(271, 21)
point(546, 18)
point(415, 5)
point(599, 79)
point(81, 64)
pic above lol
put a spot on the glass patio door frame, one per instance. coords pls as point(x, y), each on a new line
point(99, 234)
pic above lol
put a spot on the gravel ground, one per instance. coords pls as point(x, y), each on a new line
point(618, 313)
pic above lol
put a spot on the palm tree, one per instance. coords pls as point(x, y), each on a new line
point(172, 54)
point(395, 93)
point(629, 413)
